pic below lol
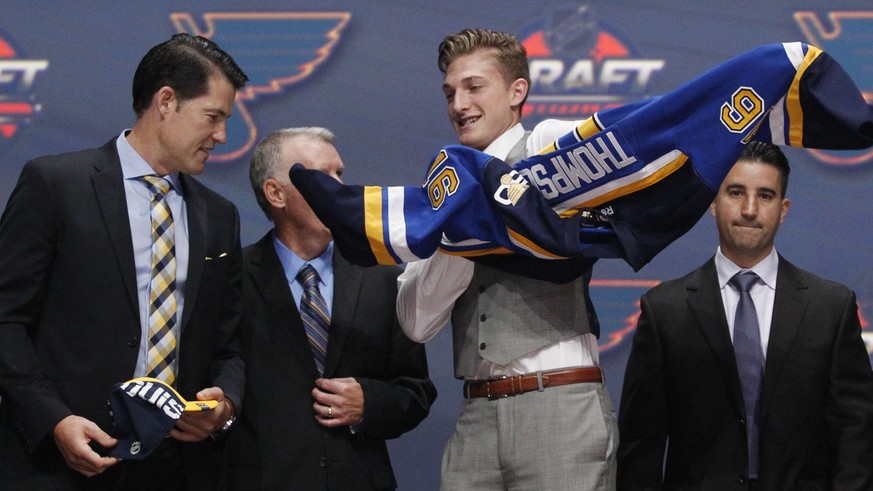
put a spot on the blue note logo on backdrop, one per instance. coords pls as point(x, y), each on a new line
point(579, 65)
point(288, 48)
point(18, 102)
point(846, 37)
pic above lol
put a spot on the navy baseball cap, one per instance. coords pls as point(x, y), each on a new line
point(144, 410)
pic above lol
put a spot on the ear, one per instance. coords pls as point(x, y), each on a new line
point(519, 90)
point(786, 204)
point(712, 208)
point(274, 192)
point(166, 100)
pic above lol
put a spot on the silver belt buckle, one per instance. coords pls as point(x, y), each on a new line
point(492, 397)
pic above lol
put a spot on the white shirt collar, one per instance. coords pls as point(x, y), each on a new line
point(767, 269)
point(503, 144)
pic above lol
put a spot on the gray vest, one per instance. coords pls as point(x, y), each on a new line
point(503, 316)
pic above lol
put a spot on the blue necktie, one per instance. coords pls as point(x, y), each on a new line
point(750, 361)
point(313, 313)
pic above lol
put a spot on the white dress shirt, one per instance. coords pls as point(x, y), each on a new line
point(763, 292)
point(428, 289)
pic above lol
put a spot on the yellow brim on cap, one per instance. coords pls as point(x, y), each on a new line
point(189, 405)
point(201, 405)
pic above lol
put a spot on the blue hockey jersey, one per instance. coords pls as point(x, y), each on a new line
point(651, 168)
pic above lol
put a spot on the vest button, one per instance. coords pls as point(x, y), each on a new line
point(483, 317)
point(322, 462)
point(133, 342)
point(482, 346)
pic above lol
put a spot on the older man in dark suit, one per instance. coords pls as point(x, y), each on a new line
point(117, 264)
point(759, 384)
point(330, 375)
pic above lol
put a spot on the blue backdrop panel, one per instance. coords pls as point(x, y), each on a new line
point(367, 70)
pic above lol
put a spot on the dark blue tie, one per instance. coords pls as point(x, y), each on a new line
point(750, 361)
point(313, 313)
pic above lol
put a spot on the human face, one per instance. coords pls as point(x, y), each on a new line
point(482, 104)
point(313, 154)
point(748, 210)
point(190, 129)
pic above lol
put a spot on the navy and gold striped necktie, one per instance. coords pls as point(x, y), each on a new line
point(313, 312)
point(162, 287)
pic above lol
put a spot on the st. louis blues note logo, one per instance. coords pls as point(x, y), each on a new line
point(579, 66)
point(18, 102)
point(277, 50)
point(846, 37)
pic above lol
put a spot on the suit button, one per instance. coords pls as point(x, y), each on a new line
point(322, 462)
point(483, 317)
point(742, 480)
point(483, 345)
point(742, 421)
point(133, 342)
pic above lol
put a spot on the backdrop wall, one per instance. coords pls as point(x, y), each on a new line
point(367, 70)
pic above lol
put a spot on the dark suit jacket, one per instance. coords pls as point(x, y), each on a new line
point(69, 314)
point(277, 443)
point(682, 385)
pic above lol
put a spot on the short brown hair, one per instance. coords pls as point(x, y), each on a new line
point(509, 52)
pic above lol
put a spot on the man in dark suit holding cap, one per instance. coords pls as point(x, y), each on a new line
point(115, 263)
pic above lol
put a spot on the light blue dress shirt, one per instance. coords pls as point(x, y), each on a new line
point(323, 264)
point(138, 196)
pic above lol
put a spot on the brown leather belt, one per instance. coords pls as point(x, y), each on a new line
point(510, 386)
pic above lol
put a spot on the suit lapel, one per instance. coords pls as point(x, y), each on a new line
point(705, 303)
point(195, 208)
point(346, 288)
point(108, 182)
point(789, 305)
point(272, 285)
